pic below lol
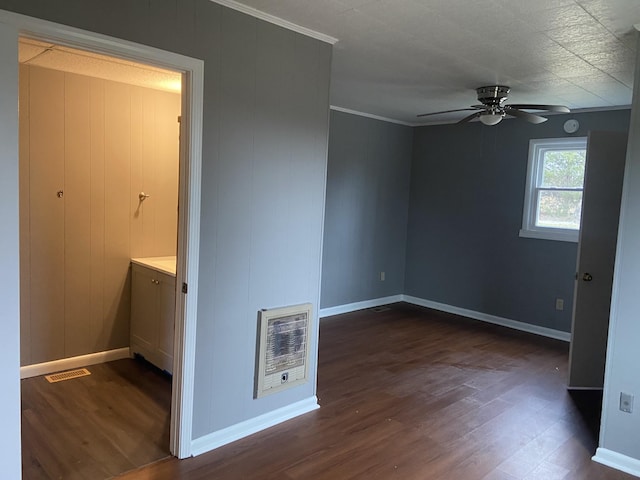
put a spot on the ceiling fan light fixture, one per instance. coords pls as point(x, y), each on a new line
point(491, 118)
point(493, 108)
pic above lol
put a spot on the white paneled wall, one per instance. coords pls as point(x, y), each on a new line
point(100, 143)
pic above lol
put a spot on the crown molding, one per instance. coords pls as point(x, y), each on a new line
point(276, 20)
point(452, 122)
point(593, 109)
point(371, 115)
point(610, 108)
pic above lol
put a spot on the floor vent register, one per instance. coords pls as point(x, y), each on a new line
point(68, 375)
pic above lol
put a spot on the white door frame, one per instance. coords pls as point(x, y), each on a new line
point(189, 195)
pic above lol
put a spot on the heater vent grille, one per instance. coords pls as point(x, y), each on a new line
point(283, 349)
point(68, 375)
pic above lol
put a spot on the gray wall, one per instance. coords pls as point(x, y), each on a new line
point(467, 193)
point(9, 260)
point(263, 178)
point(366, 209)
point(620, 432)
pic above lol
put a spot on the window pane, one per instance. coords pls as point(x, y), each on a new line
point(559, 209)
point(563, 168)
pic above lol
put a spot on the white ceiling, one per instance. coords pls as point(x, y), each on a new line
point(399, 58)
point(56, 57)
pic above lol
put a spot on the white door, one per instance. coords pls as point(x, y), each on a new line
point(606, 152)
point(9, 255)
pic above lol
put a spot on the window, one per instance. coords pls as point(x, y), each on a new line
point(553, 197)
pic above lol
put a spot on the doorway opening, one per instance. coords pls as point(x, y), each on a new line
point(185, 225)
point(13, 25)
point(95, 134)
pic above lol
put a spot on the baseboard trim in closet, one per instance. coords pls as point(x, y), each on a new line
point(45, 368)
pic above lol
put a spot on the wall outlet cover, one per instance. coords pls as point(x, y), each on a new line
point(626, 402)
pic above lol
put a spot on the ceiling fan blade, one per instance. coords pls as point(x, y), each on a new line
point(549, 108)
point(529, 117)
point(470, 117)
point(445, 111)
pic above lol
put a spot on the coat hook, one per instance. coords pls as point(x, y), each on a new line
point(143, 196)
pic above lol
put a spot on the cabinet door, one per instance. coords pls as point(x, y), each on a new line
point(166, 323)
point(144, 317)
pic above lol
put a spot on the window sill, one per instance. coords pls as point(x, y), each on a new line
point(561, 236)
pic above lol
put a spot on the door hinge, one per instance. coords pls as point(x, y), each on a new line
point(184, 288)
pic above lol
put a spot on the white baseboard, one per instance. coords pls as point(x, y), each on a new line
point(45, 368)
point(618, 461)
point(244, 429)
point(352, 307)
point(485, 317)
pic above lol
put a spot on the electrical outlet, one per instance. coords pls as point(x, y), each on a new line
point(559, 304)
point(626, 402)
point(382, 276)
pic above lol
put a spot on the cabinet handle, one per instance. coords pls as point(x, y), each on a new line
point(154, 281)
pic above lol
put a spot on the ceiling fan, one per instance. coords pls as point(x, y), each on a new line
point(493, 109)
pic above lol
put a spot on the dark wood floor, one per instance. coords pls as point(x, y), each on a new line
point(410, 393)
point(98, 426)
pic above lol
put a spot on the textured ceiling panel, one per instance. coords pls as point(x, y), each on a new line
point(564, 17)
point(30, 49)
point(55, 57)
point(613, 14)
point(399, 58)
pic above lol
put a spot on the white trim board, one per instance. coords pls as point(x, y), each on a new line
point(267, 17)
point(618, 461)
point(593, 109)
point(188, 253)
point(249, 427)
point(483, 317)
point(546, 114)
point(371, 115)
point(45, 368)
point(451, 122)
point(352, 307)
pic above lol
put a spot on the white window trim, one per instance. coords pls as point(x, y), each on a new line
point(537, 147)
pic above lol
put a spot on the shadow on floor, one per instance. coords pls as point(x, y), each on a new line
point(588, 403)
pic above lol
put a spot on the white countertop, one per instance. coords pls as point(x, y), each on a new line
point(161, 264)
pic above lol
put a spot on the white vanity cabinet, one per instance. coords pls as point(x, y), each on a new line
point(153, 284)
